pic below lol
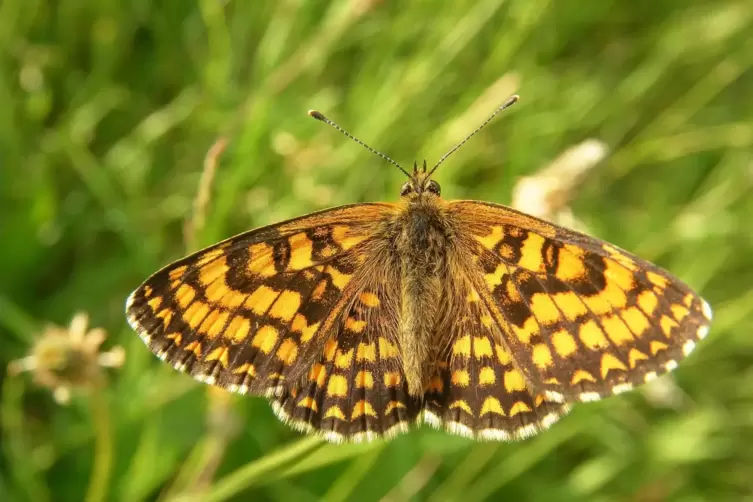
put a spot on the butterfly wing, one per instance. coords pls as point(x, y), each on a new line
point(580, 318)
point(356, 390)
point(478, 391)
point(252, 312)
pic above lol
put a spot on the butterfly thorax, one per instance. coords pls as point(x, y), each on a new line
point(422, 230)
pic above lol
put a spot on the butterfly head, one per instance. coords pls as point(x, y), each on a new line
point(420, 184)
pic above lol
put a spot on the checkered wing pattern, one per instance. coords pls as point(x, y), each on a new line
point(580, 318)
point(356, 389)
point(251, 314)
point(478, 391)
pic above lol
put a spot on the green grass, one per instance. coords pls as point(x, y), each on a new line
point(108, 107)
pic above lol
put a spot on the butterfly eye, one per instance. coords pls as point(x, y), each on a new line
point(433, 187)
point(406, 188)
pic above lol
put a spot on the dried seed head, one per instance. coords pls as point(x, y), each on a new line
point(548, 192)
point(63, 359)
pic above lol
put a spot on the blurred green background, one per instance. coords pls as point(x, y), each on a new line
point(108, 107)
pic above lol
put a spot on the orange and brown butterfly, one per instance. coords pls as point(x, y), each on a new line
point(361, 320)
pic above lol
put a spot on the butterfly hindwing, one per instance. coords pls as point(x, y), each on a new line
point(248, 313)
point(478, 391)
point(356, 390)
point(582, 319)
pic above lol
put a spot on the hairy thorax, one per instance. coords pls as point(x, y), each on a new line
point(423, 240)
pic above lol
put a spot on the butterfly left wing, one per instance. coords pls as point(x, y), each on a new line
point(251, 312)
point(356, 390)
point(581, 318)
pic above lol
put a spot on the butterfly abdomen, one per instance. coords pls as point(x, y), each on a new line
point(422, 242)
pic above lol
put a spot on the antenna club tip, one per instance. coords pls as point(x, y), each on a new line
point(316, 115)
point(514, 98)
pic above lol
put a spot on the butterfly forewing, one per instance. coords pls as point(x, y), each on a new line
point(582, 319)
point(249, 313)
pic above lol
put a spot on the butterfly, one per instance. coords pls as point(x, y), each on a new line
point(358, 321)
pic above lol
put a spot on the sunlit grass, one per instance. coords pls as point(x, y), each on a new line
point(108, 109)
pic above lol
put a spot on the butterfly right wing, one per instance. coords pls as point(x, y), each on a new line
point(581, 318)
point(477, 391)
point(249, 313)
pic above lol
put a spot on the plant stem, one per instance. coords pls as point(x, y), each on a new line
point(103, 447)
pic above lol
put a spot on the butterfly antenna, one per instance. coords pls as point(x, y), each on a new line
point(507, 104)
point(318, 116)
